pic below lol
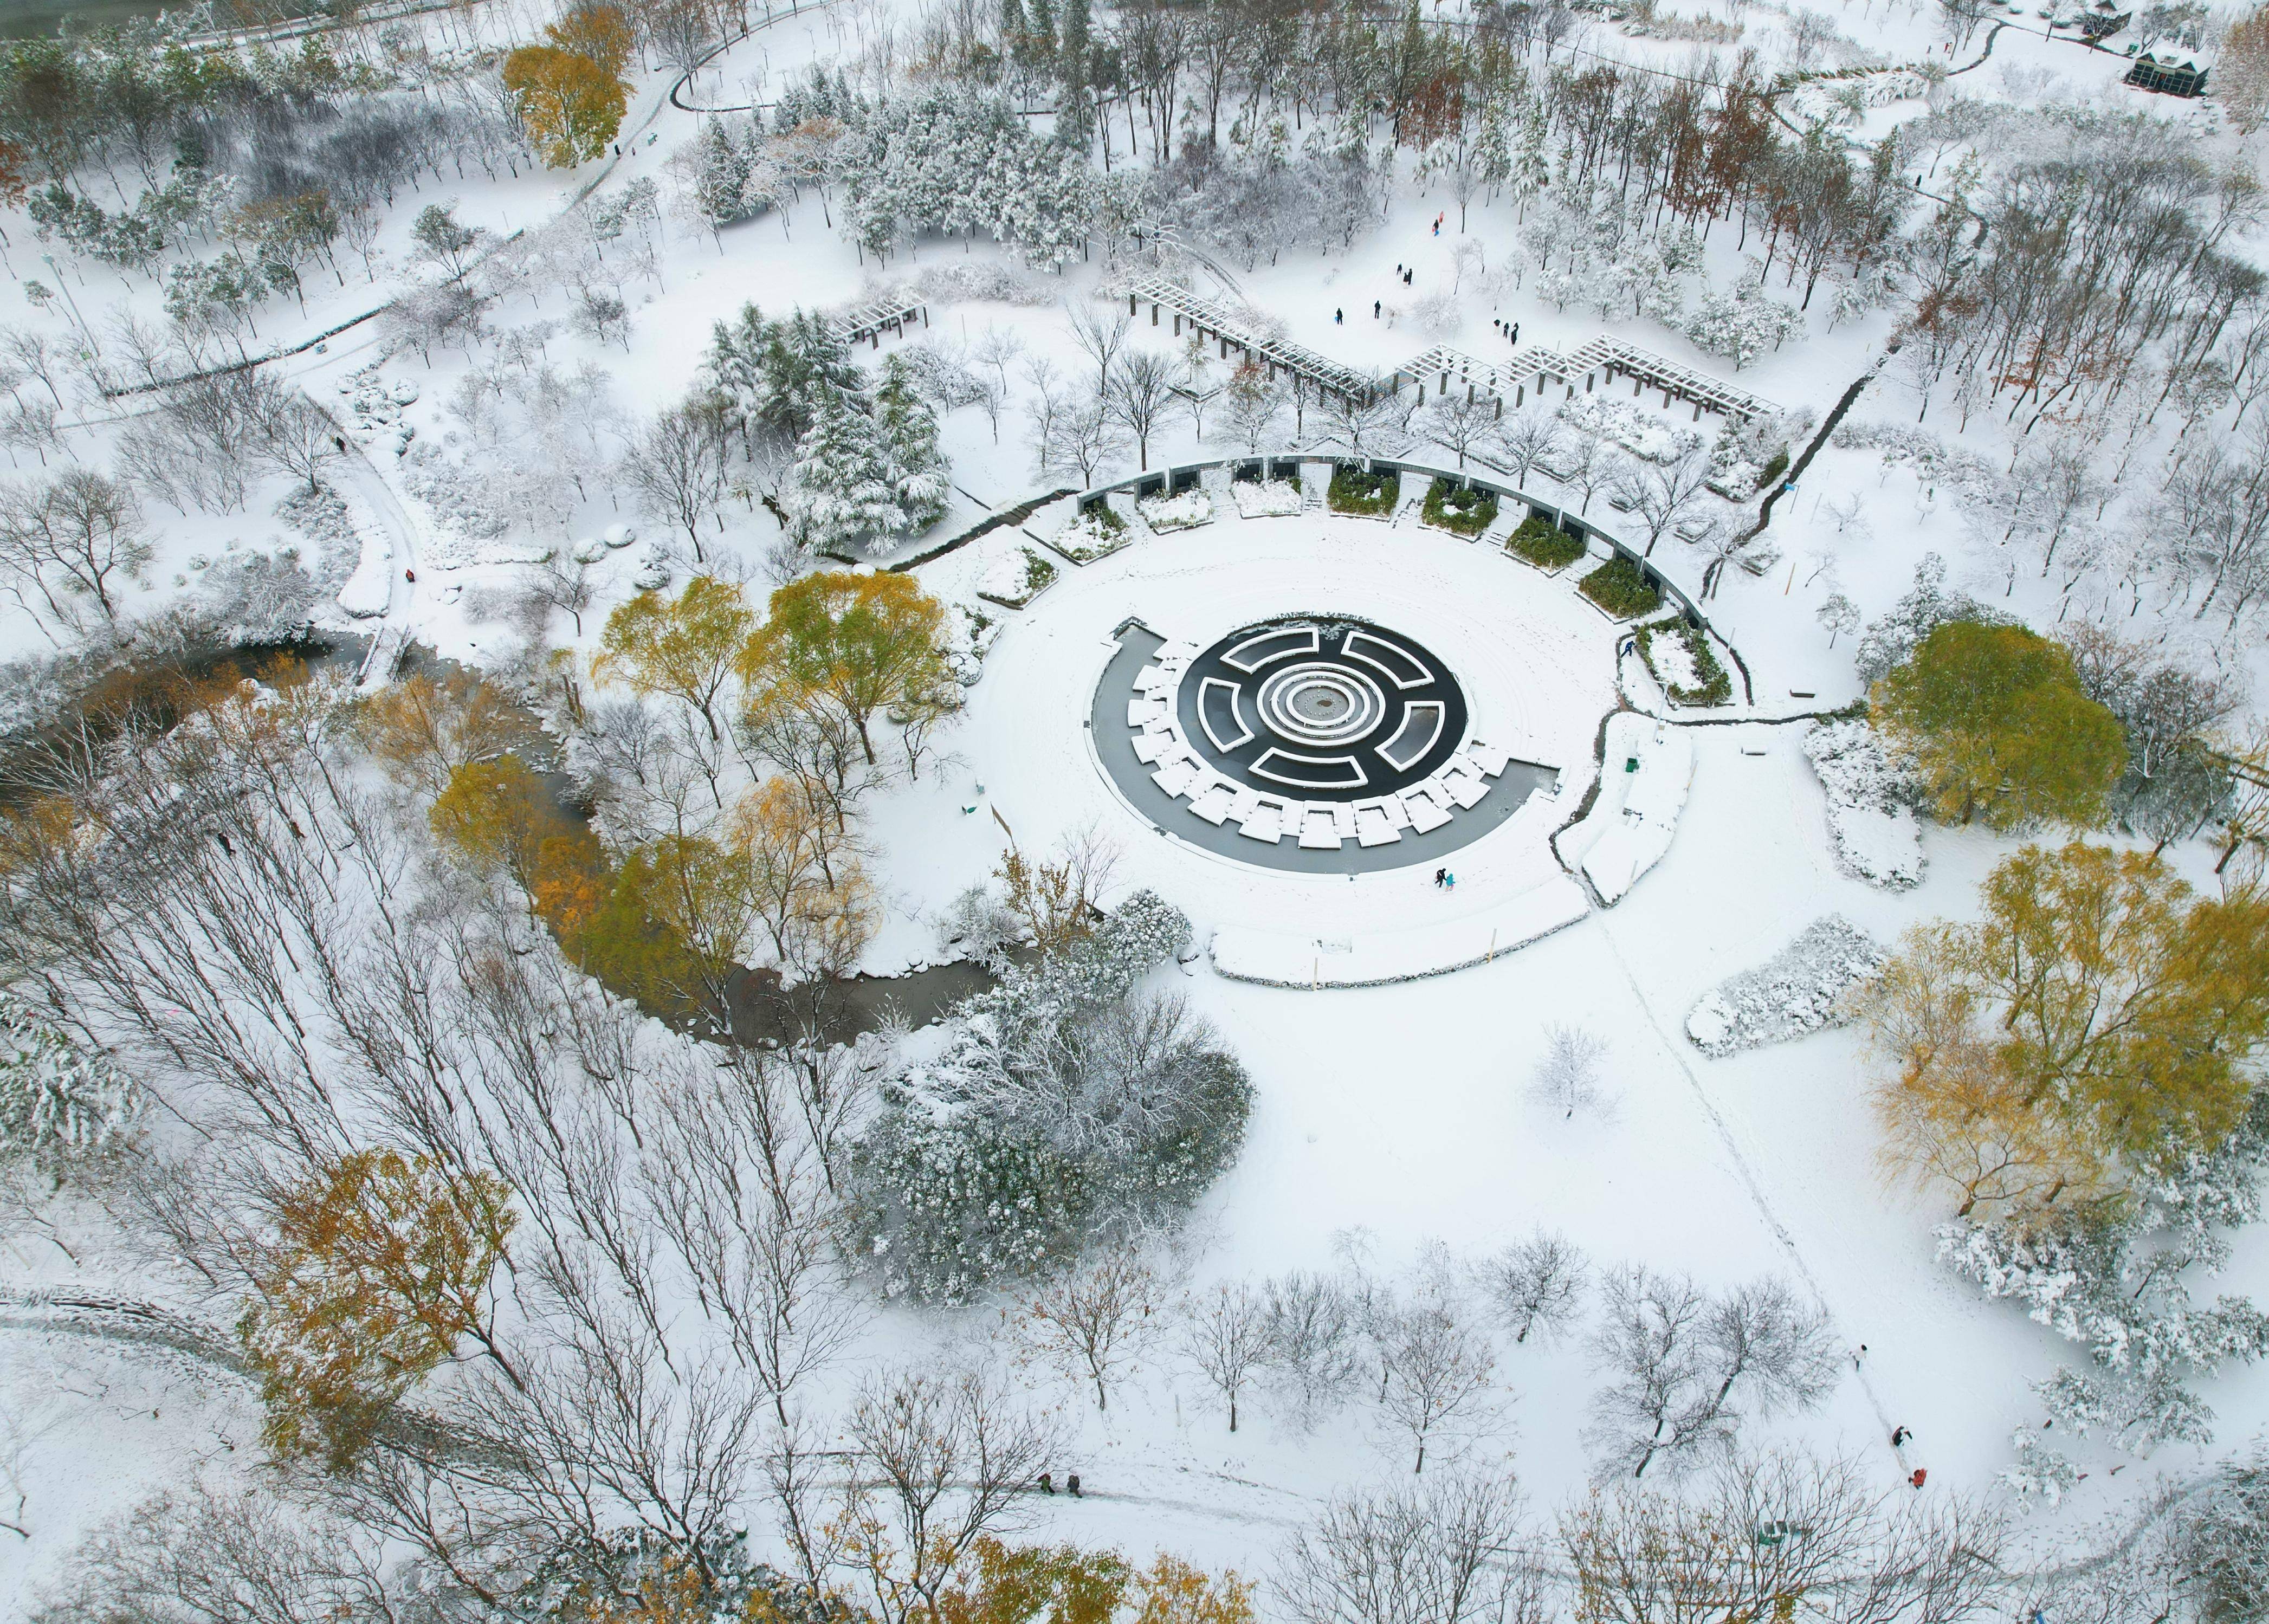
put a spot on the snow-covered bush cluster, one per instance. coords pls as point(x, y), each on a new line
point(1637, 430)
point(1743, 322)
point(970, 636)
point(1270, 498)
point(1262, 195)
point(1015, 578)
point(1064, 1107)
point(2113, 1276)
point(57, 1099)
point(1092, 534)
point(1844, 101)
point(1798, 991)
point(956, 281)
point(1193, 507)
point(375, 407)
point(1871, 813)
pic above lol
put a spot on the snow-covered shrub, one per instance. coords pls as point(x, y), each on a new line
point(1064, 1107)
point(2041, 1475)
point(1271, 498)
point(1890, 641)
point(1015, 579)
point(2112, 1278)
point(1633, 427)
point(1191, 508)
point(1679, 656)
point(1093, 534)
point(1742, 322)
point(978, 925)
point(970, 639)
point(1871, 813)
point(57, 1099)
point(981, 279)
point(1798, 991)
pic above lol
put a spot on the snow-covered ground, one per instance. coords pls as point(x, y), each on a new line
point(1387, 1117)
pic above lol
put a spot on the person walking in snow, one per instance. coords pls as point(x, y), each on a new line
point(1374, 309)
point(1449, 880)
point(1338, 316)
point(1516, 332)
point(1439, 875)
point(1899, 1435)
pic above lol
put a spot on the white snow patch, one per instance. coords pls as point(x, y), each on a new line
point(1798, 990)
point(1877, 839)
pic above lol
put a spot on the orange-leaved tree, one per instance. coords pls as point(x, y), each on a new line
point(380, 1267)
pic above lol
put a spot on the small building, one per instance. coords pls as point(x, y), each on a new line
point(2169, 76)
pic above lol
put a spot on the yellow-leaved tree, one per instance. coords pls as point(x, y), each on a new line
point(569, 106)
point(380, 1267)
point(685, 647)
point(868, 643)
point(1997, 721)
point(2097, 1014)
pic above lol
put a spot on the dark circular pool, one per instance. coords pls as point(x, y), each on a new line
point(1322, 708)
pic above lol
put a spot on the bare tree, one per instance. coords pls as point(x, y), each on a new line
point(1536, 1285)
point(1253, 404)
point(1595, 467)
point(1527, 439)
point(1776, 1348)
point(1075, 439)
point(1140, 397)
point(1225, 1337)
point(1782, 1536)
point(1440, 1553)
point(1461, 423)
point(1662, 493)
point(1100, 338)
point(196, 1557)
point(1313, 1350)
point(995, 347)
point(1651, 1337)
point(563, 585)
point(1566, 1079)
point(75, 535)
point(1439, 1374)
point(677, 467)
point(941, 1457)
point(295, 435)
point(1090, 1320)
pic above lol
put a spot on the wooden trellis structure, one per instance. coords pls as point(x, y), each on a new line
point(1609, 361)
point(869, 321)
point(1210, 321)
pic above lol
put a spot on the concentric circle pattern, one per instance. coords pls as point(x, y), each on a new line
point(1321, 709)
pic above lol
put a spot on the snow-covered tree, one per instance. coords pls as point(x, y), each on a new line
point(840, 489)
point(58, 1097)
point(1536, 1285)
point(907, 432)
point(1062, 1110)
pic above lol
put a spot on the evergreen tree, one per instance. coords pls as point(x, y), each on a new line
point(840, 489)
point(800, 356)
point(719, 168)
point(1075, 110)
point(914, 465)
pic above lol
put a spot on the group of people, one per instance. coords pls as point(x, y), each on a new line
point(1444, 880)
